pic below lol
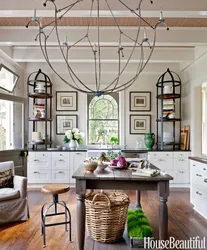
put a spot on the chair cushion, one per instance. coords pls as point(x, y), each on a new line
point(6, 179)
point(9, 194)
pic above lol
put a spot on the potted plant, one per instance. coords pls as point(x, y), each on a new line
point(74, 138)
point(114, 140)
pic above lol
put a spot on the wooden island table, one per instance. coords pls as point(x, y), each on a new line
point(123, 179)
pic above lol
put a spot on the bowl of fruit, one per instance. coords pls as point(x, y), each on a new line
point(102, 166)
point(90, 165)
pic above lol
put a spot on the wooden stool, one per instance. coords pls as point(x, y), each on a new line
point(55, 190)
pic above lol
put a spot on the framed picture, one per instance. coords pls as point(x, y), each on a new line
point(65, 122)
point(140, 101)
point(140, 124)
point(66, 101)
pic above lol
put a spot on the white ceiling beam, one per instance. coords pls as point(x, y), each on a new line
point(105, 13)
point(173, 5)
point(107, 69)
point(108, 55)
point(108, 37)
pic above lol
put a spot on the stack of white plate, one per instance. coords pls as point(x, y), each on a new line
point(36, 137)
point(168, 137)
point(40, 87)
point(168, 105)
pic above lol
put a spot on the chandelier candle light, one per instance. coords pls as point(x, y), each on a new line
point(139, 42)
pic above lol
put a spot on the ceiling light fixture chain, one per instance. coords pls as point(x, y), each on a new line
point(138, 42)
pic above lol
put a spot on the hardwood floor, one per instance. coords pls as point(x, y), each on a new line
point(183, 223)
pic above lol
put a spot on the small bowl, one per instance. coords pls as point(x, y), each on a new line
point(102, 167)
point(90, 167)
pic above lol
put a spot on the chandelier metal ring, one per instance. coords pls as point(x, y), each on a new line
point(139, 42)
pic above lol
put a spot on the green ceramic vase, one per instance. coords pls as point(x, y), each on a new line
point(149, 140)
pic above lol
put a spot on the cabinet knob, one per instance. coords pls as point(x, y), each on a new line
point(60, 172)
point(61, 160)
point(61, 155)
point(205, 180)
point(198, 193)
point(36, 160)
point(181, 172)
point(194, 165)
point(199, 175)
point(204, 169)
point(36, 172)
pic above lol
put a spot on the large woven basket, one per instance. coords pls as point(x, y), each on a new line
point(106, 215)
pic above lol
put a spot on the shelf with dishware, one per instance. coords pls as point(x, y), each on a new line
point(169, 111)
point(39, 88)
point(39, 119)
point(169, 120)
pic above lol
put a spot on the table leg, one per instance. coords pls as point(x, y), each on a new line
point(163, 210)
point(81, 221)
point(163, 219)
point(138, 202)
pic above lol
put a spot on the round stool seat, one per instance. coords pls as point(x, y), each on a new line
point(55, 189)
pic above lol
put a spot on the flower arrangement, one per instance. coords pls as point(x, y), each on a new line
point(75, 135)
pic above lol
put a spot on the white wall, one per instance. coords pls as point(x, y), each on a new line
point(144, 83)
point(194, 76)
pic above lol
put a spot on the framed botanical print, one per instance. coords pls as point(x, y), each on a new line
point(140, 124)
point(65, 122)
point(66, 101)
point(140, 101)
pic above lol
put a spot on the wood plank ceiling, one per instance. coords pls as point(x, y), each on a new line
point(106, 21)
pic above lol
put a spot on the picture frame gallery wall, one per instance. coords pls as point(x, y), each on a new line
point(66, 101)
point(65, 122)
point(139, 101)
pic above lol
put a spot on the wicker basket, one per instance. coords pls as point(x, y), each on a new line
point(106, 215)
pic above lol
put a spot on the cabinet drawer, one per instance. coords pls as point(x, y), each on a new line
point(31, 156)
point(162, 163)
point(64, 155)
point(39, 164)
point(43, 155)
point(39, 176)
point(198, 167)
point(183, 155)
point(60, 176)
point(199, 180)
point(181, 176)
point(60, 163)
point(160, 154)
point(200, 201)
point(180, 163)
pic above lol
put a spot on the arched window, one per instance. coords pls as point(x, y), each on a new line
point(103, 114)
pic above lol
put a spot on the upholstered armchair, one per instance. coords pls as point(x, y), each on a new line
point(13, 200)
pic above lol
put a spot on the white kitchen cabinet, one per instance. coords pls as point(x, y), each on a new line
point(60, 176)
point(76, 159)
point(199, 187)
point(36, 176)
point(175, 164)
point(60, 160)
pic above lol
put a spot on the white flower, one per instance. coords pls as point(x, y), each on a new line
point(75, 130)
point(68, 133)
point(82, 134)
point(77, 136)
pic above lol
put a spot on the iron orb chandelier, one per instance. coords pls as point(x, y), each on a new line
point(140, 42)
